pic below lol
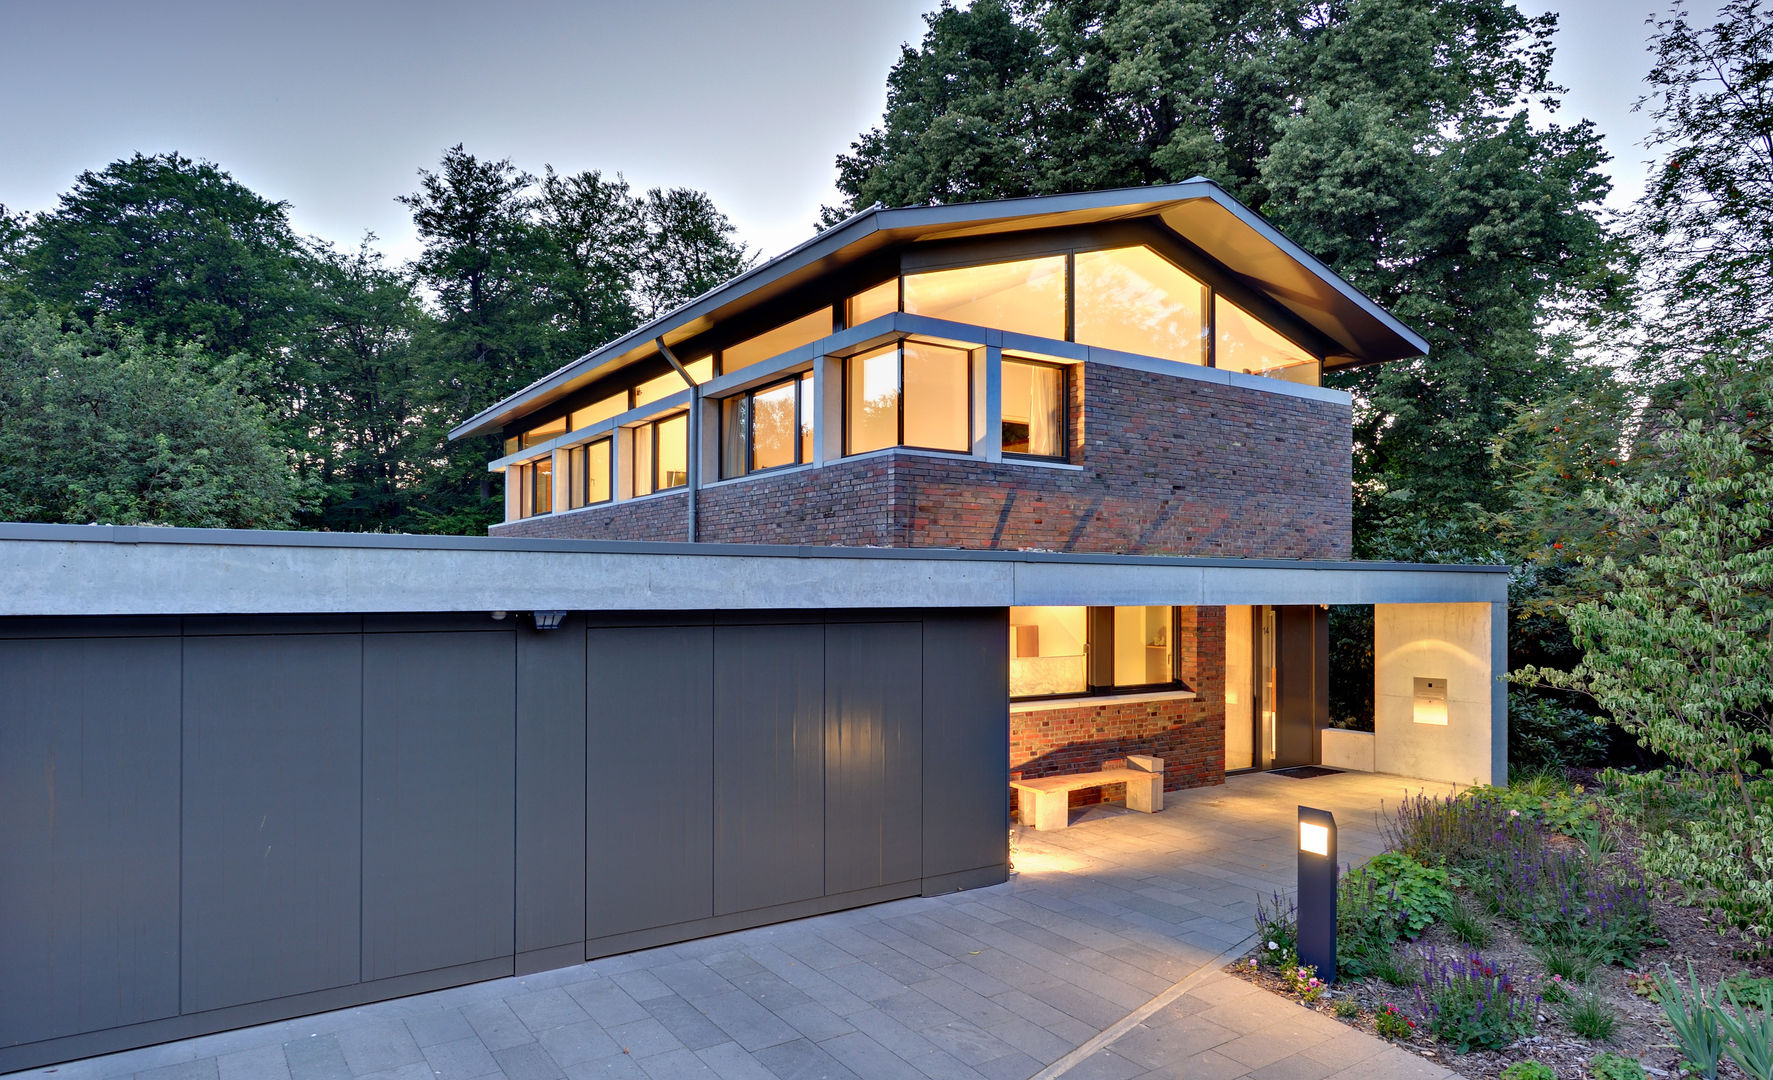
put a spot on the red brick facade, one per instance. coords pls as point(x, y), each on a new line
point(1167, 466)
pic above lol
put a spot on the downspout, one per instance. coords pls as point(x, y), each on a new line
point(695, 430)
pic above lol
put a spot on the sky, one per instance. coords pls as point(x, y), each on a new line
point(334, 106)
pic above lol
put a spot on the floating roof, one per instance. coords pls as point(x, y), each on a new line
point(1198, 210)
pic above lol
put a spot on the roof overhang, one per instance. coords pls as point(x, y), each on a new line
point(1198, 210)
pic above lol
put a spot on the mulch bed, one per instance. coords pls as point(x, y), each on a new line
point(1641, 1031)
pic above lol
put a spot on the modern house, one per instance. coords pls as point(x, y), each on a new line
point(795, 582)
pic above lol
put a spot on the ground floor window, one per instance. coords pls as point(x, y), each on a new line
point(1056, 651)
point(661, 454)
point(767, 428)
point(1033, 408)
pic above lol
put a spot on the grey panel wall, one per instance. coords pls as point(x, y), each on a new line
point(89, 738)
point(650, 777)
point(273, 780)
point(966, 738)
point(769, 764)
point(873, 754)
point(439, 734)
point(551, 787)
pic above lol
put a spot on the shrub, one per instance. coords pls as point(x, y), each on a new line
point(1455, 832)
point(1277, 926)
point(1347, 1008)
point(1591, 1018)
point(1398, 888)
point(1561, 902)
point(1472, 1003)
point(1611, 1066)
point(1545, 734)
point(1693, 1014)
point(1391, 1023)
point(1528, 1070)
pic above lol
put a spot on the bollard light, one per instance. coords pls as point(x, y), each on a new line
point(1317, 891)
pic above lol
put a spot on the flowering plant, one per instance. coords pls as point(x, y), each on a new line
point(1303, 980)
point(1392, 1023)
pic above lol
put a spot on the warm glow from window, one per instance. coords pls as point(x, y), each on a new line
point(601, 409)
point(1314, 839)
point(541, 433)
point(588, 474)
point(882, 299)
point(701, 370)
point(807, 415)
point(1247, 344)
point(937, 399)
point(1142, 646)
point(1134, 300)
point(541, 479)
point(871, 400)
point(1047, 651)
point(1033, 408)
point(1027, 296)
point(661, 455)
point(773, 343)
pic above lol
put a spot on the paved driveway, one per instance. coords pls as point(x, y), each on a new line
point(1099, 958)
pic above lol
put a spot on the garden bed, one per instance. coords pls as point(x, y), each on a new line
point(1532, 929)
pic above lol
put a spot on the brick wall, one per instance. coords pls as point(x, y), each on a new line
point(1168, 466)
point(662, 517)
point(1188, 735)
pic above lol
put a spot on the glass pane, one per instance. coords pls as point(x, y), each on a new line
point(1047, 651)
point(572, 477)
point(671, 382)
point(735, 417)
point(807, 328)
point(806, 418)
point(1027, 297)
point(642, 476)
point(513, 444)
point(1240, 689)
point(1249, 345)
point(519, 475)
point(542, 433)
point(772, 427)
point(597, 472)
point(542, 477)
point(674, 451)
point(871, 405)
point(882, 299)
point(1135, 300)
point(601, 409)
point(938, 409)
point(1142, 643)
point(1033, 409)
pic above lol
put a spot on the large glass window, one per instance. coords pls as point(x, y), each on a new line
point(1247, 344)
point(541, 433)
point(1027, 296)
point(767, 428)
point(772, 343)
point(1033, 408)
point(541, 486)
point(701, 369)
point(1142, 646)
point(872, 303)
point(588, 474)
point(1047, 649)
point(917, 394)
point(661, 454)
point(601, 409)
point(1134, 300)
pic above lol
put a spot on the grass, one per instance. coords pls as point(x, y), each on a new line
point(1592, 1019)
point(1394, 969)
point(1567, 964)
point(1467, 925)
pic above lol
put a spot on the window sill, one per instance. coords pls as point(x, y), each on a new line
point(1090, 700)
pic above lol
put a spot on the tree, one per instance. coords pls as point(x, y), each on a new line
point(1391, 139)
point(1705, 224)
point(596, 240)
point(690, 248)
point(97, 424)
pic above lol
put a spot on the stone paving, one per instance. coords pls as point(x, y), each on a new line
point(1098, 959)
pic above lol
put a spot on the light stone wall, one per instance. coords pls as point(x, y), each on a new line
point(1459, 643)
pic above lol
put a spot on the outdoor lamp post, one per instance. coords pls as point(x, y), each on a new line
point(1317, 891)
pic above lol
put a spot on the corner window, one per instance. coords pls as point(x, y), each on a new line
point(1026, 296)
point(661, 455)
point(1134, 300)
point(1247, 344)
point(767, 428)
point(1034, 408)
point(1059, 651)
point(914, 394)
point(588, 474)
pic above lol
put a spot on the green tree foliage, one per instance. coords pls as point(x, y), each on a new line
point(1390, 138)
point(99, 425)
point(689, 249)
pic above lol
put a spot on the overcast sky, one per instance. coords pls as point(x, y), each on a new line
point(333, 106)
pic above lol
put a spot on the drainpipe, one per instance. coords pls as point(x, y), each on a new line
point(695, 430)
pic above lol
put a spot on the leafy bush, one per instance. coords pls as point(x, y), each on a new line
point(1397, 888)
point(1473, 1004)
point(1277, 926)
point(1456, 833)
point(1561, 902)
point(1591, 1018)
point(1347, 1008)
point(1692, 1012)
point(1391, 1023)
point(1611, 1066)
point(1547, 734)
point(1528, 1070)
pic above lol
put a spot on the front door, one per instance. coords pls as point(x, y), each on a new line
point(1301, 689)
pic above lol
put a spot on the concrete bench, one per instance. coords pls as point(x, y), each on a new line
point(1044, 802)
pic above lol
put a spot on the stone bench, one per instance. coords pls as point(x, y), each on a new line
point(1044, 802)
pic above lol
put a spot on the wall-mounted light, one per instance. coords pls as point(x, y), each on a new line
point(549, 620)
point(1429, 705)
point(1317, 891)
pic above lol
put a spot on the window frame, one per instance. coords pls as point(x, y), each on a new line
point(792, 379)
point(898, 348)
point(1095, 616)
point(651, 427)
point(1064, 370)
point(581, 469)
point(535, 472)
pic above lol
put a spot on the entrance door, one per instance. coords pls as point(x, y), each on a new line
point(1301, 647)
